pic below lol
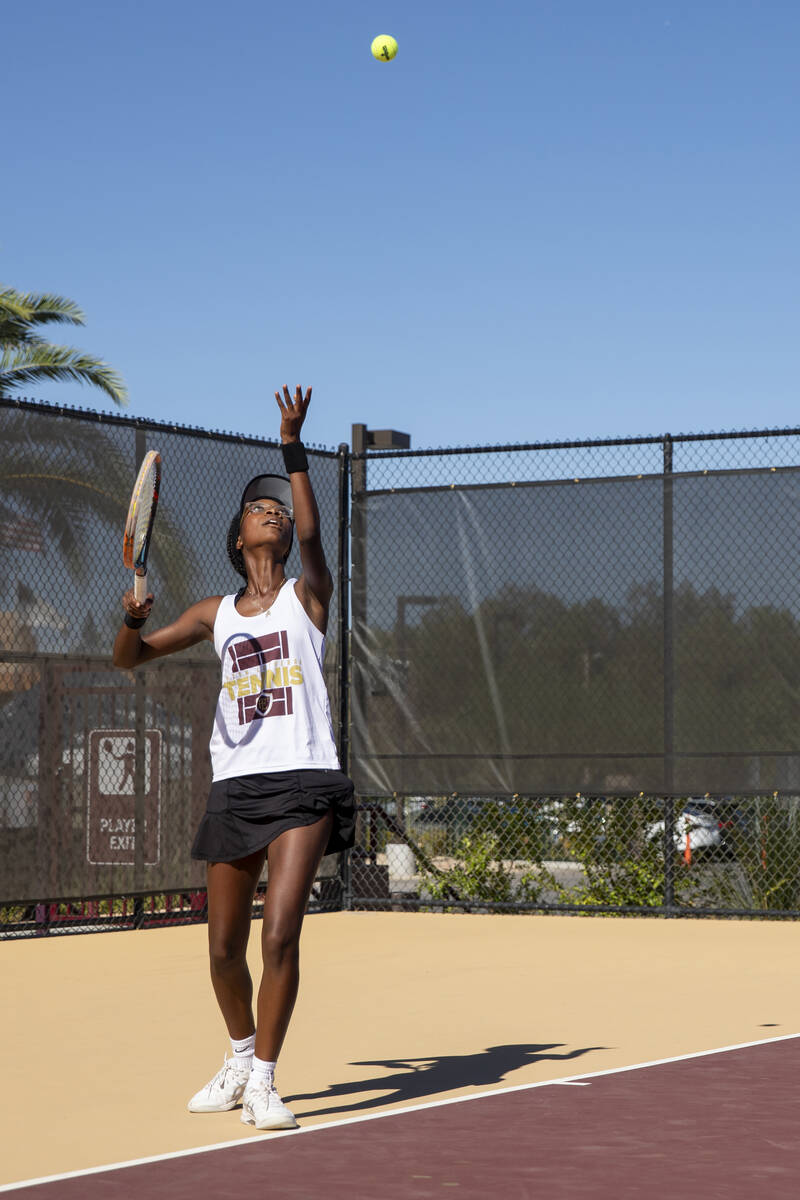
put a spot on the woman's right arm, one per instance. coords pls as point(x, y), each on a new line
point(193, 626)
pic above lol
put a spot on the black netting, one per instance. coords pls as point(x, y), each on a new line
point(731, 855)
point(573, 672)
point(77, 734)
point(612, 635)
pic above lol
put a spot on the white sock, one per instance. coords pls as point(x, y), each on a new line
point(243, 1050)
point(262, 1071)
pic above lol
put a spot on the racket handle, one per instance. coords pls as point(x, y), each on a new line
point(140, 586)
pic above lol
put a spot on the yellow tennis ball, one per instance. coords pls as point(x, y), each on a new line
point(384, 47)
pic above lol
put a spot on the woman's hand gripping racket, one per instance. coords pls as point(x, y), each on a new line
point(139, 525)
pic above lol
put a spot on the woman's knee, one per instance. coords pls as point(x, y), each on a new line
point(226, 952)
point(280, 942)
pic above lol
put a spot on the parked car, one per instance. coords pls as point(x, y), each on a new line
point(703, 826)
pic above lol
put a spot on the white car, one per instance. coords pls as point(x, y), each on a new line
point(696, 829)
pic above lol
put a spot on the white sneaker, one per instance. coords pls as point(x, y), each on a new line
point(263, 1107)
point(224, 1091)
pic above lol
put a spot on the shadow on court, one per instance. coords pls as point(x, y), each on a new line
point(424, 1078)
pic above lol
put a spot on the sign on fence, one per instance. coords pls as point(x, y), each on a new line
point(111, 813)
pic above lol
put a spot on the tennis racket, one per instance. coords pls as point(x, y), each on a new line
point(139, 525)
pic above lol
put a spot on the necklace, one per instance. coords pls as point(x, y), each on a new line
point(254, 596)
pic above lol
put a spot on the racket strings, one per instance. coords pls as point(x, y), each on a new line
point(141, 513)
point(141, 519)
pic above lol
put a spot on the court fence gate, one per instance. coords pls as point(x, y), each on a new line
point(563, 676)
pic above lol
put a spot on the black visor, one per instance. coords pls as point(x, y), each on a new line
point(268, 487)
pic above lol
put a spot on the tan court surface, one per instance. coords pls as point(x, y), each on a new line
point(105, 1036)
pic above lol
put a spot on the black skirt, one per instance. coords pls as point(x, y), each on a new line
point(246, 813)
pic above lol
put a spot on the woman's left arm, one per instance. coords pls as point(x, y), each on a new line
point(315, 584)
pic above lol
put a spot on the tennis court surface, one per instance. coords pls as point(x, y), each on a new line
point(430, 1055)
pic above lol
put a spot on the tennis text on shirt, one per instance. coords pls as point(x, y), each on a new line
point(271, 667)
point(266, 692)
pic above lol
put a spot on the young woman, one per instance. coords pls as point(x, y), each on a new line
point(277, 791)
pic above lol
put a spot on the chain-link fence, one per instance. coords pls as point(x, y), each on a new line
point(732, 856)
point(569, 676)
point(90, 754)
point(576, 675)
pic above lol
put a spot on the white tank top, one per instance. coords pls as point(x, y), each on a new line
point(273, 712)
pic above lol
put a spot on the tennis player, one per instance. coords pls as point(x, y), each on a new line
point(278, 790)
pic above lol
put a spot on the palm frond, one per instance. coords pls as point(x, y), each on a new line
point(40, 308)
point(14, 336)
point(78, 506)
point(41, 360)
point(12, 305)
point(14, 328)
point(20, 312)
point(90, 473)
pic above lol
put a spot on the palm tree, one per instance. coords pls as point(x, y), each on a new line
point(26, 358)
point(72, 481)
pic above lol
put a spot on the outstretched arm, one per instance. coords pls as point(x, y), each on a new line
point(193, 626)
point(315, 585)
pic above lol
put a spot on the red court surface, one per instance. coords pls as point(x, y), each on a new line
point(722, 1124)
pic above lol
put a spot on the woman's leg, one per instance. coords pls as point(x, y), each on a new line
point(231, 888)
point(293, 861)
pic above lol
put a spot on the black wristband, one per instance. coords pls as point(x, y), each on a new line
point(134, 622)
point(294, 457)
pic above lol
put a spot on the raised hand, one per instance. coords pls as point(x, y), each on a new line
point(293, 412)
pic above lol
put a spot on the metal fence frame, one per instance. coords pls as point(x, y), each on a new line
point(138, 906)
point(359, 896)
point(349, 886)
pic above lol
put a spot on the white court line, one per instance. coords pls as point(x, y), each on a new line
point(392, 1112)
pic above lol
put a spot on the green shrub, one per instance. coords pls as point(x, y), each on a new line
point(521, 826)
point(479, 874)
point(766, 845)
point(621, 858)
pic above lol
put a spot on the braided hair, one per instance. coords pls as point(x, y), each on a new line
point(234, 554)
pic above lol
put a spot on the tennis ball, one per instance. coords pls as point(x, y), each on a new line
point(384, 47)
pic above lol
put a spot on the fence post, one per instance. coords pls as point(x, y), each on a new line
point(343, 631)
point(358, 597)
point(344, 647)
point(669, 679)
point(49, 826)
point(139, 724)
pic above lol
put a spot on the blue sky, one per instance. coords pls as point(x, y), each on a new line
point(541, 221)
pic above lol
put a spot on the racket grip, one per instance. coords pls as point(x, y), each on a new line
point(140, 587)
